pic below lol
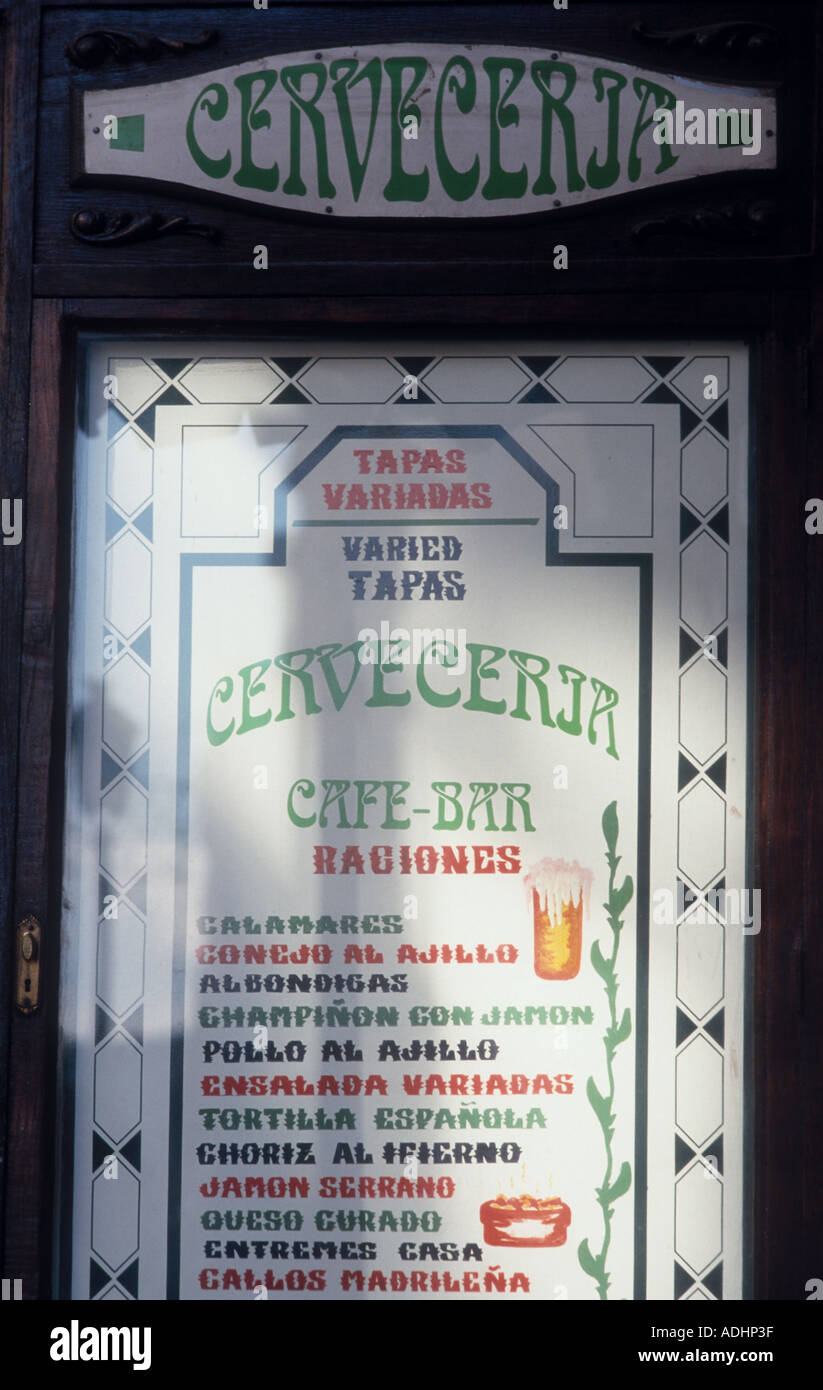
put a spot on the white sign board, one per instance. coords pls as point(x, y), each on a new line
point(423, 130)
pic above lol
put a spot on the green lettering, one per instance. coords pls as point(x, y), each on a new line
point(365, 797)
point(517, 793)
point(521, 660)
point(503, 183)
point(395, 797)
point(448, 658)
point(481, 669)
point(283, 663)
point(332, 650)
point(403, 186)
point(373, 73)
point(542, 73)
point(458, 184)
point(292, 80)
point(604, 702)
point(604, 175)
point(335, 789)
point(223, 692)
point(570, 724)
point(448, 795)
point(482, 793)
point(253, 685)
point(380, 696)
point(649, 94)
point(250, 175)
point(306, 789)
point(216, 108)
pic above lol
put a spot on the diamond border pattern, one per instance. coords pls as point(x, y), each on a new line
point(715, 648)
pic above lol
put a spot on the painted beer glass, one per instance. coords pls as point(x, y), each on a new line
point(559, 894)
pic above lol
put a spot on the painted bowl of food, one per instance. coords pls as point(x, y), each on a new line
point(525, 1221)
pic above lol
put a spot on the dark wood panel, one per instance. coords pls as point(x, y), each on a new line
point(784, 1080)
point(425, 281)
point(810, 1025)
point(596, 26)
point(18, 35)
point(32, 1054)
point(615, 314)
point(809, 1160)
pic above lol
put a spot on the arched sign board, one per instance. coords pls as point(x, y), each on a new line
point(425, 130)
point(406, 857)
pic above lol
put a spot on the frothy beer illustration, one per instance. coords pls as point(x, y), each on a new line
point(559, 894)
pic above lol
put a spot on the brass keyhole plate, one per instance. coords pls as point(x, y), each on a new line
point(28, 965)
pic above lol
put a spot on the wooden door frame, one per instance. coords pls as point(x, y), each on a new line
point(783, 320)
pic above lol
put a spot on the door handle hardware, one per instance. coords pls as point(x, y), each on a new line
point(28, 965)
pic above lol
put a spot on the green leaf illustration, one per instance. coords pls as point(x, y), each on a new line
point(588, 1263)
point(621, 1184)
point(623, 1032)
point(610, 826)
point(615, 1034)
point(603, 967)
point(621, 897)
point(601, 1105)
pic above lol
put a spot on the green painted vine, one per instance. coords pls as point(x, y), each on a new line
point(616, 1033)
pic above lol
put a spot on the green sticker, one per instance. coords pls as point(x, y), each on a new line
point(129, 133)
